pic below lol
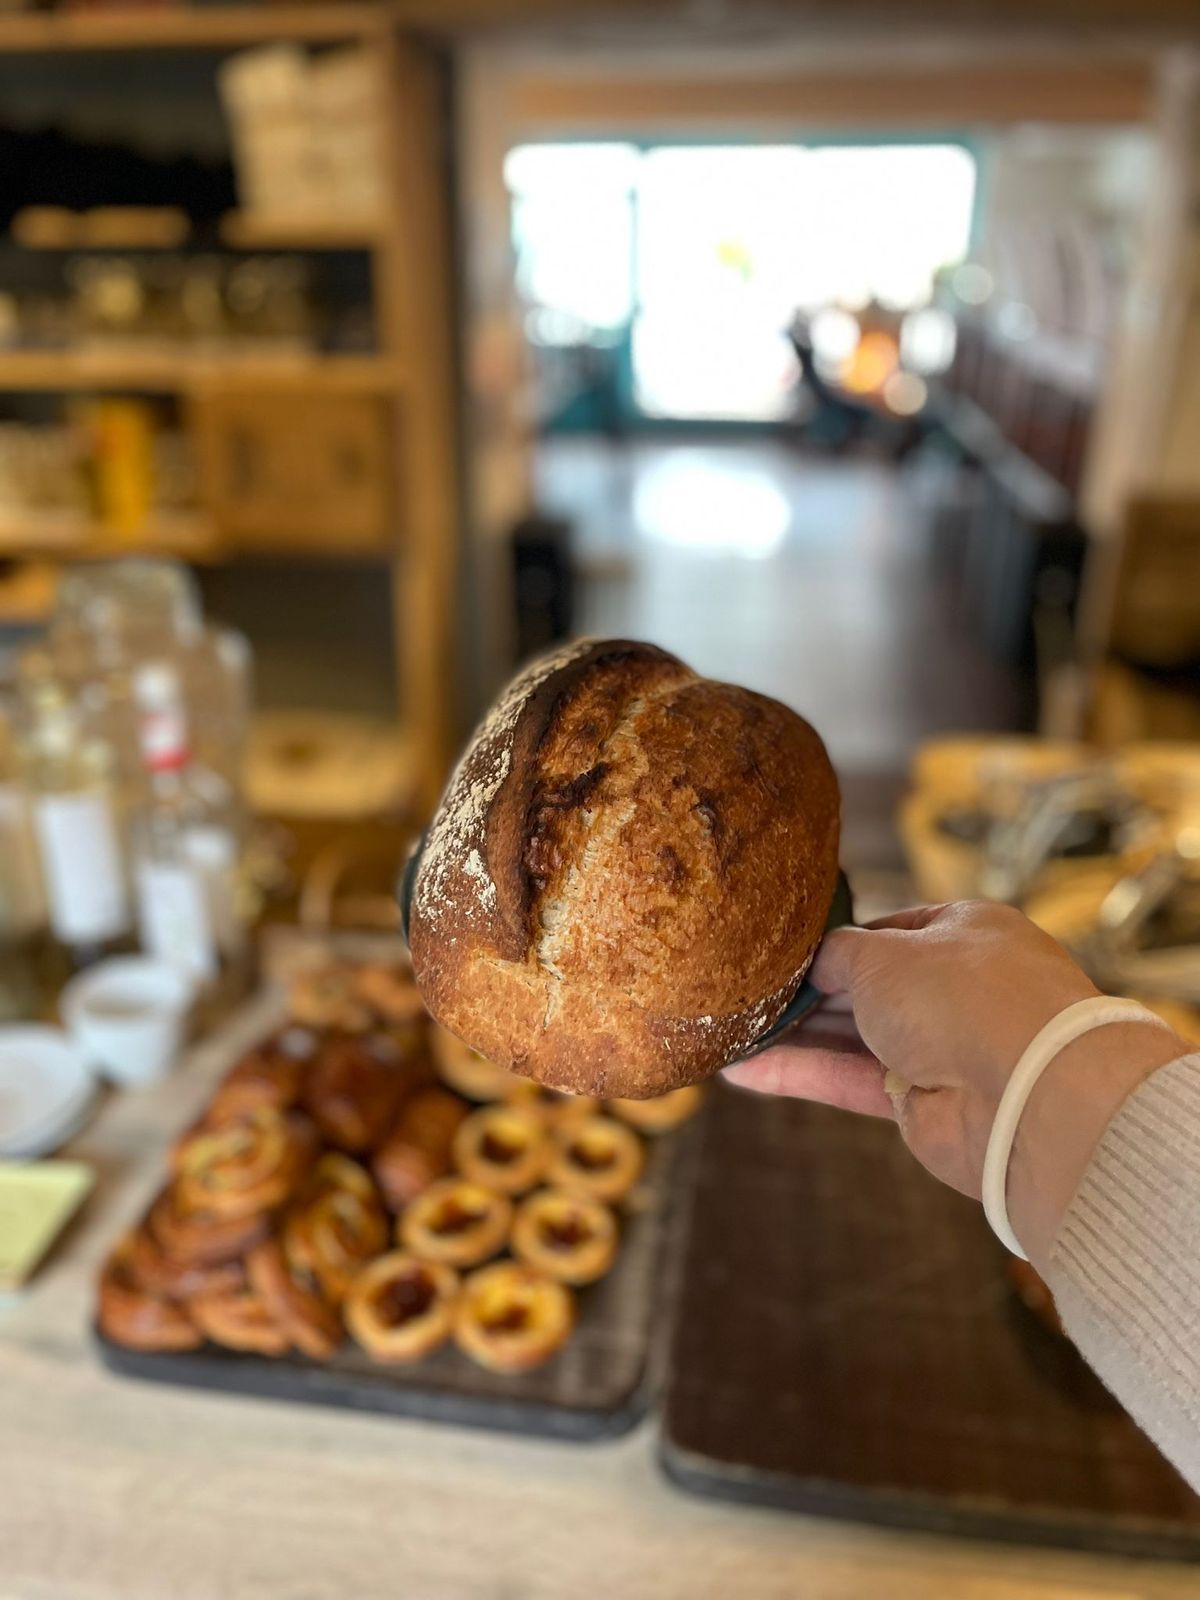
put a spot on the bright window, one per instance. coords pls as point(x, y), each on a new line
point(708, 252)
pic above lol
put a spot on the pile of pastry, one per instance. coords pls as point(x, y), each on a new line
point(362, 1172)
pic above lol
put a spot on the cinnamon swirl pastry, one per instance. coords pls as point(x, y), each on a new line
point(132, 1315)
point(333, 1237)
point(418, 1149)
point(354, 1091)
point(244, 1167)
point(271, 1075)
point(239, 1319)
point(294, 1299)
point(202, 1238)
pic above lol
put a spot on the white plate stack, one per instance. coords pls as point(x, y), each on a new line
point(46, 1091)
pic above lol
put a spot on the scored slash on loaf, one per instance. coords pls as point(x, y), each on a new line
point(628, 874)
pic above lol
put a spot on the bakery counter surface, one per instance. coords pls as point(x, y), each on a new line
point(112, 1488)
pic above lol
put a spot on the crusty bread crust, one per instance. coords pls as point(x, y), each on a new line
point(628, 874)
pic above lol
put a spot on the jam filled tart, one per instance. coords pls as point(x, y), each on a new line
point(400, 1308)
point(662, 1112)
point(510, 1318)
point(566, 1236)
point(456, 1222)
point(551, 1105)
point(465, 1069)
point(502, 1148)
point(597, 1157)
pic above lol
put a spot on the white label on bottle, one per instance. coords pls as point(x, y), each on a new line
point(212, 852)
point(173, 917)
point(81, 860)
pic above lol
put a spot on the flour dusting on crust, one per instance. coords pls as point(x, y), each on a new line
point(452, 862)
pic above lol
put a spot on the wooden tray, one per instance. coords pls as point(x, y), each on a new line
point(847, 1344)
point(598, 1386)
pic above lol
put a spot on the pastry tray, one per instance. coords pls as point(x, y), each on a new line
point(599, 1385)
point(847, 1344)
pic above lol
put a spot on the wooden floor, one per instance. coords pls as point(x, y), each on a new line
point(804, 578)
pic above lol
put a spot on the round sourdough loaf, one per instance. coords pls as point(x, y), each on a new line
point(628, 874)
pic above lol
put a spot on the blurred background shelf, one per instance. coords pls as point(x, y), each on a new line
point(46, 535)
point(185, 27)
point(243, 230)
point(171, 372)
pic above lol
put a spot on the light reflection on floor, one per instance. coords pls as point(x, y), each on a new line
point(711, 506)
point(837, 612)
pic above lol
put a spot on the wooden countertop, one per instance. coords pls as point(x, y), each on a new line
point(115, 1490)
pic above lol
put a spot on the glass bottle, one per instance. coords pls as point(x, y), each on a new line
point(70, 782)
point(184, 840)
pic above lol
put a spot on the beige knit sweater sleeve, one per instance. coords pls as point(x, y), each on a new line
point(1125, 1268)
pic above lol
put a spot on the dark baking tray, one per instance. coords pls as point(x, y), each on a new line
point(847, 1344)
point(600, 1385)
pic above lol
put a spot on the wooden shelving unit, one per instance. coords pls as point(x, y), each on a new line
point(242, 230)
point(184, 27)
point(407, 391)
point(153, 371)
point(49, 535)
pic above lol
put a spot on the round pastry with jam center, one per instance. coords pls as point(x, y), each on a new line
point(510, 1318)
point(597, 1157)
point(456, 1223)
point(661, 1112)
point(502, 1148)
point(465, 1069)
point(567, 1236)
point(553, 1106)
point(400, 1308)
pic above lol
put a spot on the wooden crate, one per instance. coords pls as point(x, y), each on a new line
point(296, 471)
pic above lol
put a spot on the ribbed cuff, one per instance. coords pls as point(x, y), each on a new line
point(1125, 1267)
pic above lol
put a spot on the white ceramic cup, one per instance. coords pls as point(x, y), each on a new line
point(127, 1014)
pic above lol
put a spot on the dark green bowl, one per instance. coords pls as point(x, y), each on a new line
point(841, 913)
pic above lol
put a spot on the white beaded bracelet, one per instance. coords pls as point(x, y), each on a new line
point(1059, 1032)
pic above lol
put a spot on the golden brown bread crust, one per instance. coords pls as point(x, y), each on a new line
point(628, 874)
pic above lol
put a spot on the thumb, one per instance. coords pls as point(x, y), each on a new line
point(838, 964)
point(838, 960)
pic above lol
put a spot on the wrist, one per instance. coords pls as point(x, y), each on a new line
point(1064, 1120)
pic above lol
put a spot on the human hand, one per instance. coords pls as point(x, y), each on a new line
point(945, 999)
